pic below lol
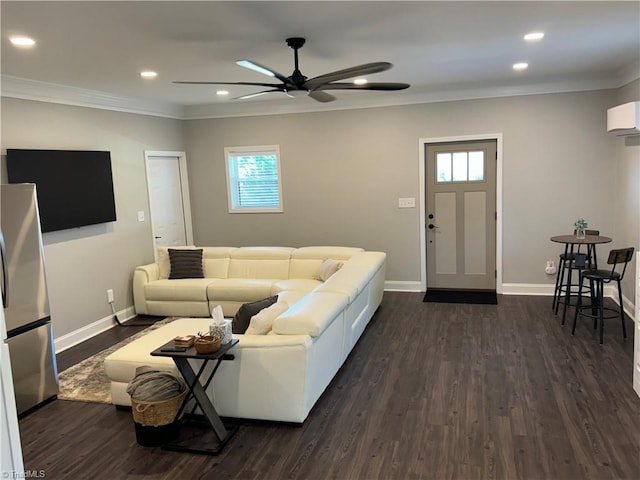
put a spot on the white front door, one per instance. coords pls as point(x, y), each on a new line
point(461, 215)
point(168, 198)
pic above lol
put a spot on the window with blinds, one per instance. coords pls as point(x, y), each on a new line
point(253, 179)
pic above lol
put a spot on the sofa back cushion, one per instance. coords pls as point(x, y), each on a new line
point(260, 262)
point(312, 316)
point(216, 261)
point(306, 261)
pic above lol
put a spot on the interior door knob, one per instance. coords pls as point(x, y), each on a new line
point(431, 226)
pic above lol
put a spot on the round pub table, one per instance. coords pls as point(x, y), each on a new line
point(563, 292)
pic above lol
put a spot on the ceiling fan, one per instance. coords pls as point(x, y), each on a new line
point(314, 87)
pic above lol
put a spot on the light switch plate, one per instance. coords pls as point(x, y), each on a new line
point(141, 216)
point(407, 202)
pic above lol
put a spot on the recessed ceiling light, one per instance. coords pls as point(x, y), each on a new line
point(520, 66)
point(360, 81)
point(534, 36)
point(148, 74)
point(222, 92)
point(22, 41)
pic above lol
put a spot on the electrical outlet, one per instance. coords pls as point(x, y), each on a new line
point(110, 296)
point(550, 268)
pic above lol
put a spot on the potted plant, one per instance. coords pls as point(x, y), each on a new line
point(581, 227)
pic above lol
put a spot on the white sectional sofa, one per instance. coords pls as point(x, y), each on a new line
point(278, 376)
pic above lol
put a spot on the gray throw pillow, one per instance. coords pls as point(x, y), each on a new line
point(243, 317)
point(185, 263)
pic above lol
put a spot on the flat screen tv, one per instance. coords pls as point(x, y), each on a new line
point(75, 188)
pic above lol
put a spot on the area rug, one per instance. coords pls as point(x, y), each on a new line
point(87, 381)
point(487, 297)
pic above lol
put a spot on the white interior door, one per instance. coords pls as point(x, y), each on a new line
point(167, 184)
point(461, 215)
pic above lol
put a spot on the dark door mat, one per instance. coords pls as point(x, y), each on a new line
point(487, 297)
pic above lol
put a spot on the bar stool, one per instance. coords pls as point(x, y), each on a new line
point(566, 265)
point(601, 277)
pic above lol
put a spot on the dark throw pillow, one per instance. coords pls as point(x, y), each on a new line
point(185, 263)
point(246, 311)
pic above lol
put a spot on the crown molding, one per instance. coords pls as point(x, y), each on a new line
point(15, 87)
point(26, 89)
point(390, 99)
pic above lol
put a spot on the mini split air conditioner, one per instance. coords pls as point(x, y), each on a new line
point(624, 119)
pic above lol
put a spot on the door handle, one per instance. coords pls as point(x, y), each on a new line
point(431, 226)
point(157, 238)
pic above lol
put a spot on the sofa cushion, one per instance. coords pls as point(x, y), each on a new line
point(239, 289)
point(312, 316)
point(262, 321)
point(260, 262)
point(305, 261)
point(350, 280)
point(185, 263)
point(120, 365)
point(328, 267)
point(216, 261)
point(295, 284)
point(164, 266)
point(246, 311)
point(186, 289)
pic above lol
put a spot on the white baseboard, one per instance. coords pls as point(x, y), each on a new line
point(91, 330)
point(527, 289)
point(402, 286)
point(610, 291)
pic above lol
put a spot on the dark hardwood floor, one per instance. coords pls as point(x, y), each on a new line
point(431, 391)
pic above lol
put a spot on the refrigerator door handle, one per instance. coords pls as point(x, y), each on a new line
point(5, 280)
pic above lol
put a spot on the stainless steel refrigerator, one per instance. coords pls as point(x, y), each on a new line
point(25, 299)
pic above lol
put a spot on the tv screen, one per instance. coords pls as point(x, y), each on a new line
point(75, 188)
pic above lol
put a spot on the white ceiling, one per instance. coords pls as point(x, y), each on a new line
point(92, 52)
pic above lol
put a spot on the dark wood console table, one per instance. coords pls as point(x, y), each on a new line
point(197, 390)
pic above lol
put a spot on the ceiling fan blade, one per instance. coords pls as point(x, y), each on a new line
point(384, 86)
point(253, 84)
point(256, 67)
point(367, 68)
point(323, 97)
point(257, 94)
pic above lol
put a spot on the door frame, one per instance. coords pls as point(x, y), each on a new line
point(422, 144)
point(184, 186)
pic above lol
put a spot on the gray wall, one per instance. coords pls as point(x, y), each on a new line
point(344, 171)
point(627, 200)
point(83, 263)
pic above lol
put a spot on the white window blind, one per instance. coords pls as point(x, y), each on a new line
point(253, 179)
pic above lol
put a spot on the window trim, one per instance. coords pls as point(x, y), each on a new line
point(229, 153)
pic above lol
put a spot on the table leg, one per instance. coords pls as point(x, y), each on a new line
point(559, 278)
point(568, 284)
point(211, 416)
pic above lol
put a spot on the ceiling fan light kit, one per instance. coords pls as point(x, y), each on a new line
point(297, 84)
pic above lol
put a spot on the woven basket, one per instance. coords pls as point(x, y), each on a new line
point(207, 344)
point(155, 414)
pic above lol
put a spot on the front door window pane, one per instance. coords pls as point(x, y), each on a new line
point(443, 166)
point(460, 166)
point(476, 166)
